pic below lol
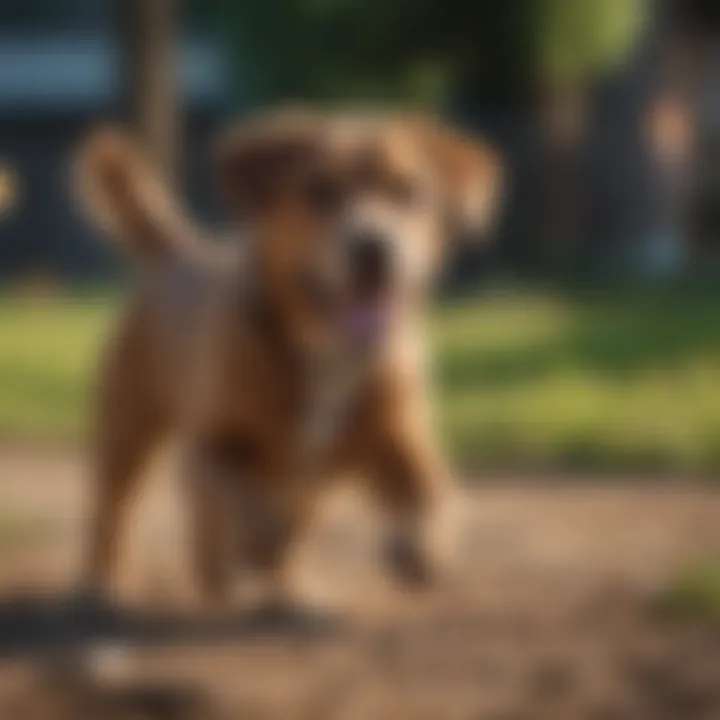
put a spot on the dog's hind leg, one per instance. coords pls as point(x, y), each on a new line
point(130, 422)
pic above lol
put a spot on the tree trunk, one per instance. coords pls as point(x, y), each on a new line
point(146, 34)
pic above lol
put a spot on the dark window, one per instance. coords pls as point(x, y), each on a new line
point(44, 15)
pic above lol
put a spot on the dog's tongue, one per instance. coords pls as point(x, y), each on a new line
point(366, 321)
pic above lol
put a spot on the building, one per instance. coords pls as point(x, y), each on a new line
point(59, 74)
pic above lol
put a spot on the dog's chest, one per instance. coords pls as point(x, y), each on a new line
point(330, 399)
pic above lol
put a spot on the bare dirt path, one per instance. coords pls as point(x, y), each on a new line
point(551, 613)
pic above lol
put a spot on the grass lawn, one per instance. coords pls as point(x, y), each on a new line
point(627, 380)
point(48, 352)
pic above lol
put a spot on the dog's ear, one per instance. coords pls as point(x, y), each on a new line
point(470, 174)
point(254, 159)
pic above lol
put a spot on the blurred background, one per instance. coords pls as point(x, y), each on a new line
point(595, 345)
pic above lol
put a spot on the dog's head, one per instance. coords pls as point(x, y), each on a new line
point(349, 216)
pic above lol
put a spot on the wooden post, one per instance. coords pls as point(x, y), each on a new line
point(148, 77)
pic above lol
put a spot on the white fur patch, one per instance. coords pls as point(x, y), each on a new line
point(330, 396)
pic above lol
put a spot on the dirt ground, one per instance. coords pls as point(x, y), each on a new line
point(550, 612)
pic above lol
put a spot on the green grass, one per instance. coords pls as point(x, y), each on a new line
point(48, 352)
point(623, 380)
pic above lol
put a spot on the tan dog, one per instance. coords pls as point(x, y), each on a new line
point(293, 354)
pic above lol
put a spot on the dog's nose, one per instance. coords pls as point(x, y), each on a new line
point(370, 257)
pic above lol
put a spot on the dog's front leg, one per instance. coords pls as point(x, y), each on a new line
point(244, 517)
point(212, 484)
point(412, 481)
point(282, 512)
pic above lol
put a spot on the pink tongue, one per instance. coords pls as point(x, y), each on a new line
point(366, 321)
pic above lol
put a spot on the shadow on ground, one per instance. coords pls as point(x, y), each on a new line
point(32, 624)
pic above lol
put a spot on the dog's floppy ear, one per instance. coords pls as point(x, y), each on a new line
point(470, 174)
point(253, 159)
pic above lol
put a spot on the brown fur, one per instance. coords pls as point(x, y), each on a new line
point(220, 346)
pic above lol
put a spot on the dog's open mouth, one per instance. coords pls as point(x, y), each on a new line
point(361, 316)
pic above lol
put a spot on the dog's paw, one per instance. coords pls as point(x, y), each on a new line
point(409, 563)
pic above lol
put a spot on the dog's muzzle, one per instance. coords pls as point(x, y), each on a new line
point(370, 263)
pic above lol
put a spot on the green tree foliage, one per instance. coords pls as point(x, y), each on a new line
point(577, 38)
point(417, 50)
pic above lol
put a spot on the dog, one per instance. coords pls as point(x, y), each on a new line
point(292, 353)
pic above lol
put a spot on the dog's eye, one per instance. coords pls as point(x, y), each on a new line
point(323, 193)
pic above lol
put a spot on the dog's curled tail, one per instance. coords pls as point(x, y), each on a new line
point(125, 197)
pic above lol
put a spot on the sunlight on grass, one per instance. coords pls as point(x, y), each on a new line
point(627, 381)
point(48, 352)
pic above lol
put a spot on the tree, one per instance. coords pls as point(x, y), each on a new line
point(533, 62)
point(146, 35)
